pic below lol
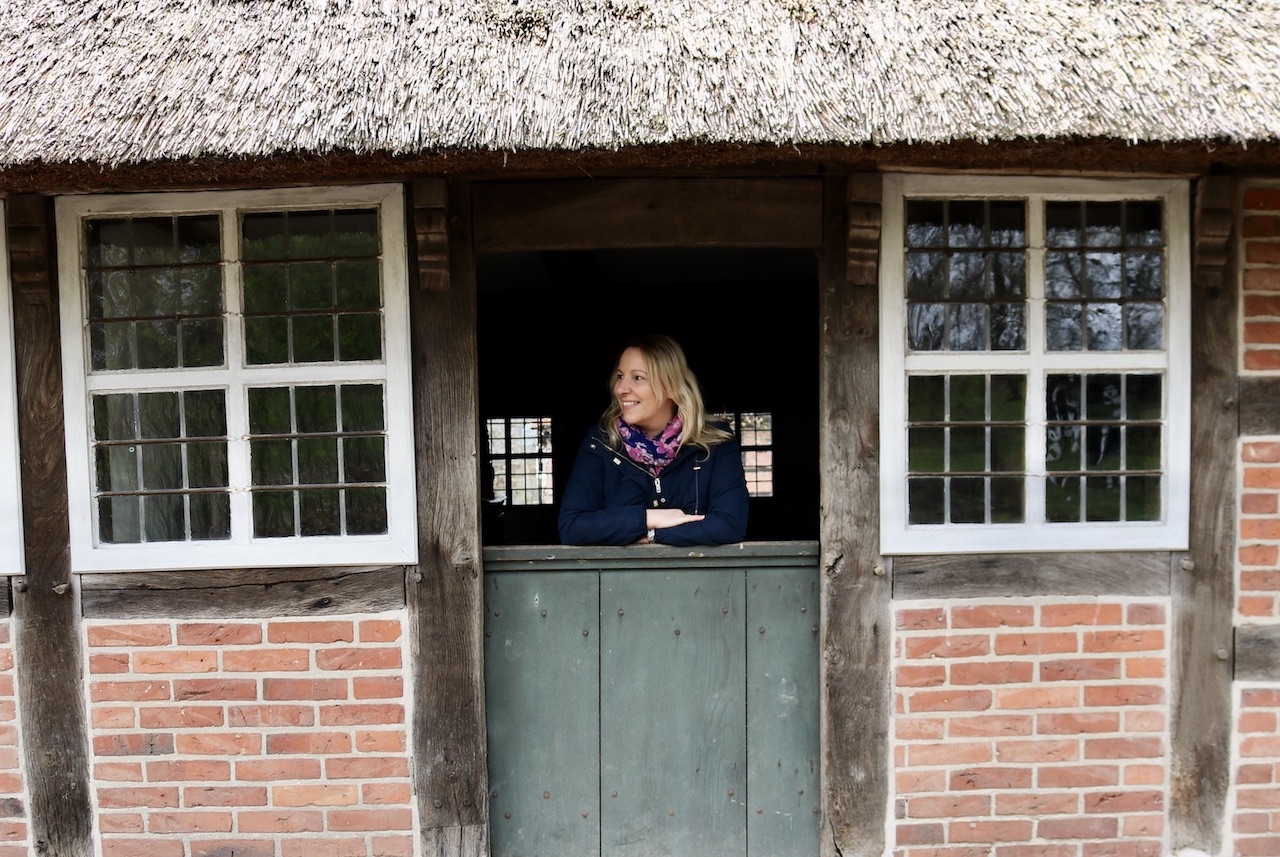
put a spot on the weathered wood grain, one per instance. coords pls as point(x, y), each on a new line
point(46, 629)
point(242, 593)
point(1203, 585)
point(445, 590)
point(856, 618)
point(1257, 653)
point(1259, 405)
point(1136, 573)
point(676, 212)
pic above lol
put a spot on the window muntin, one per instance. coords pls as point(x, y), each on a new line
point(11, 548)
point(519, 453)
point(755, 440)
point(245, 382)
point(1035, 379)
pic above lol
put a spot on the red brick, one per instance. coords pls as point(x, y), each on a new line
point(950, 753)
point(1123, 801)
point(1037, 803)
point(1078, 776)
point(1124, 641)
point(378, 687)
point(956, 646)
point(276, 769)
point(920, 676)
point(185, 716)
point(992, 616)
point(356, 658)
point(1080, 669)
point(1262, 360)
point(224, 796)
point(1062, 615)
point(1255, 774)
point(950, 700)
point(361, 715)
point(150, 846)
point(1037, 644)
point(988, 778)
point(931, 619)
point(989, 726)
point(386, 793)
point(380, 630)
point(308, 743)
point(989, 831)
point(1260, 226)
point(315, 794)
point(330, 846)
point(187, 770)
point(175, 661)
point(949, 806)
point(142, 796)
point(375, 768)
point(1261, 280)
point(128, 636)
point(189, 822)
point(311, 632)
point(996, 672)
point(1260, 581)
point(1076, 723)
point(281, 821)
point(267, 660)
point(1037, 752)
point(229, 847)
point(918, 834)
point(1261, 253)
point(1259, 504)
point(219, 634)
point(134, 744)
point(1123, 694)
point(370, 819)
point(1076, 828)
point(270, 715)
point(1059, 696)
point(1123, 748)
point(109, 691)
point(215, 689)
point(1262, 199)
point(301, 688)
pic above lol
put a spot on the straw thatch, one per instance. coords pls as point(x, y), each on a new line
point(129, 81)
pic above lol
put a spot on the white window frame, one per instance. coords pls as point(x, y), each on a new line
point(897, 536)
point(398, 546)
point(12, 555)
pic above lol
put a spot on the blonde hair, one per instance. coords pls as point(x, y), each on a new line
point(671, 378)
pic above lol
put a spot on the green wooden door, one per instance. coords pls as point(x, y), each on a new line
point(645, 702)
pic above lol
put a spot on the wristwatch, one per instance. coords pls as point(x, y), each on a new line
point(652, 535)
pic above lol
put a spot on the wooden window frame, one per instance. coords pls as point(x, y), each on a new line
point(398, 545)
point(1171, 532)
point(12, 560)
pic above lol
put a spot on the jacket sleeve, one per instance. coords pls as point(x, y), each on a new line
point(726, 514)
point(583, 519)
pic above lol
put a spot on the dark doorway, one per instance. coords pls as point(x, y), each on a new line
point(551, 324)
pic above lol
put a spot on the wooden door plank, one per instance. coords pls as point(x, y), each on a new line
point(784, 799)
point(542, 663)
point(673, 717)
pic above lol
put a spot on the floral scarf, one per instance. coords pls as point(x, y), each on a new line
point(652, 453)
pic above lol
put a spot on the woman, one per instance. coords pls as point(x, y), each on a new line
point(655, 469)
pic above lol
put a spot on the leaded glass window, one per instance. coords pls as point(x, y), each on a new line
point(1035, 379)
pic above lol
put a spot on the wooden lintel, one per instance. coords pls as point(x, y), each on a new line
point(1137, 573)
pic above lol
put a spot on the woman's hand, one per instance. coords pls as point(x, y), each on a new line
point(660, 519)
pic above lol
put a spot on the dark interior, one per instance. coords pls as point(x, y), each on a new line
point(551, 325)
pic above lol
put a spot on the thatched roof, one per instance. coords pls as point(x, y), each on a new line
point(129, 81)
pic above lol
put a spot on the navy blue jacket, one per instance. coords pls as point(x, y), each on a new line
point(607, 494)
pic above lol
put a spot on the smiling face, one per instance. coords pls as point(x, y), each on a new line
point(639, 401)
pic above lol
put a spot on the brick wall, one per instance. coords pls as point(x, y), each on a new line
point(278, 738)
point(1255, 814)
point(1030, 728)
point(13, 824)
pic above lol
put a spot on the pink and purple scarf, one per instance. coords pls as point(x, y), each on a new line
point(652, 453)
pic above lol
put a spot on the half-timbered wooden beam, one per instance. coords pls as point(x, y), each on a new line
point(46, 621)
point(445, 590)
point(1203, 581)
point(856, 625)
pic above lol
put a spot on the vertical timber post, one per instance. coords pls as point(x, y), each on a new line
point(1203, 579)
point(47, 633)
point(856, 667)
point(445, 590)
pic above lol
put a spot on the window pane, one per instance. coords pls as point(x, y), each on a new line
point(154, 272)
point(317, 277)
